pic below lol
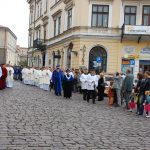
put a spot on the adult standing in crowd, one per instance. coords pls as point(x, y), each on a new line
point(138, 91)
point(84, 81)
point(10, 75)
point(127, 86)
point(101, 87)
point(47, 75)
point(92, 85)
point(117, 89)
point(3, 77)
point(68, 84)
point(57, 79)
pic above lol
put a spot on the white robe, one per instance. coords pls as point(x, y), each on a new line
point(47, 75)
point(92, 82)
point(41, 79)
point(10, 75)
point(84, 81)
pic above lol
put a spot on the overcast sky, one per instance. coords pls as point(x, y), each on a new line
point(15, 15)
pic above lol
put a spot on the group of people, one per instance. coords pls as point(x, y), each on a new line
point(6, 76)
point(121, 90)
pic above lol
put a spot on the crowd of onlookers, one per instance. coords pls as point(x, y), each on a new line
point(120, 90)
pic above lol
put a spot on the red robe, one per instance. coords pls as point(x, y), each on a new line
point(3, 79)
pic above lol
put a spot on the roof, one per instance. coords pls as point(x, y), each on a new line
point(6, 28)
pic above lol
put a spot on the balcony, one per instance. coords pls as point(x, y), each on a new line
point(39, 45)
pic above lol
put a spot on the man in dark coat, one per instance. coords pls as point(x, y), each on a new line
point(127, 86)
point(68, 84)
point(3, 77)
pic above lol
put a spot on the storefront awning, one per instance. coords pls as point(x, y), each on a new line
point(136, 33)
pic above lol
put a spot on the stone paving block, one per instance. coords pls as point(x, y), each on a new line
point(32, 119)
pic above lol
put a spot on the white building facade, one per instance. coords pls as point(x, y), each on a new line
point(8, 42)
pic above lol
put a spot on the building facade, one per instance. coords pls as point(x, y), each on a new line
point(7, 46)
point(22, 55)
point(107, 35)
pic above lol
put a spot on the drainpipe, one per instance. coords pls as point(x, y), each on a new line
point(5, 47)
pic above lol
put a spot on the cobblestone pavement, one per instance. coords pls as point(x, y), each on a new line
point(32, 119)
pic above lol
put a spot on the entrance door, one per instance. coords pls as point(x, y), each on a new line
point(98, 59)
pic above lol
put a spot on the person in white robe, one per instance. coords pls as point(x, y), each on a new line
point(47, 75)
point(92, 83)
point(84, 81)
point(10, 75)
point(36, 77)
point(26, 76)
point(41, 78)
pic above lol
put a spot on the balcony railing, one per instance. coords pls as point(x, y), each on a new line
point(39, 44)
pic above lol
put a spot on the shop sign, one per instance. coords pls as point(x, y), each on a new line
point(137, 30)
point(132, 56)
point(125, 62)
point(145, 50)
point(129, 50)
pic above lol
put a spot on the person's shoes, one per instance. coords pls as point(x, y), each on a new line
point(94, 103)
point(88, 101)
point(130, 110)
point(147, 116)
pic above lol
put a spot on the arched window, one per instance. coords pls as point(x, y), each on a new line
point(98, 59)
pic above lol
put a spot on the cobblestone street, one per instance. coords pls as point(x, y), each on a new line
point(32, 119)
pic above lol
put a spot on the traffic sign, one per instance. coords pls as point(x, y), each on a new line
point(132, 62)
point(98, 59)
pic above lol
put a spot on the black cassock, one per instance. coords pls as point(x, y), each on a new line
point(68, 86)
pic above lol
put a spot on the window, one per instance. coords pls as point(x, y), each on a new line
point(46, 4)
point(45, 32)
point(38, 33)
point(40, 9)
point(146, 16)
point(55, 27)
point(59, 24)
point(130, 15)
point(69, 18)
point(100, 15)
point(30, 39)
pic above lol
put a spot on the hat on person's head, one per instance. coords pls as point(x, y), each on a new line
point(57, 66)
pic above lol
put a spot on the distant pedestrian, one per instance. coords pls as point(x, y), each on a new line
point(92, 85)
point(110, 94)
point(68, 84)
point(84, 82)
point(127, 86)
point(57, 79)
point(101, 87)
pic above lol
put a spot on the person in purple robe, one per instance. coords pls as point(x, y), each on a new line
point(57, 79)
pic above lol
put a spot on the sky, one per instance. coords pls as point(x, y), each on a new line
point(15, 15)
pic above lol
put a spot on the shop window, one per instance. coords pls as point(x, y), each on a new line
point(130, 15)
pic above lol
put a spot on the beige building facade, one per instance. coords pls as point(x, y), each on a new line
point(106, 35)
point(7, 46)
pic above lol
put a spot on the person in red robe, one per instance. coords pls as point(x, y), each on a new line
point(3, 77)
